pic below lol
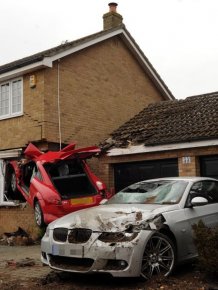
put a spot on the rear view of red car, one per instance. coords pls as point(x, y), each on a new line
point(57, 183)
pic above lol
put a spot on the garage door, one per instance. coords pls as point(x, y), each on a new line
point(209, 166)
point(128, 173)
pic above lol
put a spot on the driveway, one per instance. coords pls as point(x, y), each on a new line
point(19, 265)
point(21, 268)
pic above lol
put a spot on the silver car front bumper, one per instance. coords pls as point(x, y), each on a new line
point(120, 259)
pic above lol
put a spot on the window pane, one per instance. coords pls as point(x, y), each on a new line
point(16, 96)
point(4, 99)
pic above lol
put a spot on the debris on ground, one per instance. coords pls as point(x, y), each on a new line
point(17, 238)
point(27, 262)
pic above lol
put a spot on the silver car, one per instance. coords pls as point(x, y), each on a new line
point(143, 230)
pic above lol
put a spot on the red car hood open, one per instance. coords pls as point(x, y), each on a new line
point(68, 152)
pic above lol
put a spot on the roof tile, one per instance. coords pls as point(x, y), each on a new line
point(176, 121)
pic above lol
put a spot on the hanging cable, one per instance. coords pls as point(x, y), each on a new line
point(59, 110)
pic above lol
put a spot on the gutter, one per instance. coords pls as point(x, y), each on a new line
point(46, 62)
point(139, 149)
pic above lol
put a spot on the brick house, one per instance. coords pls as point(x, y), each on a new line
point(78, 91)
point(173, 138)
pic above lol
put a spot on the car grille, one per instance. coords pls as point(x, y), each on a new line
point(79, 236)
point(68, 263)
point(60, 234)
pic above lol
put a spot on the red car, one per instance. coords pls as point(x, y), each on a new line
point(57, 183)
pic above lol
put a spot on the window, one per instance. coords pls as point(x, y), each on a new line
point(11, 99)
point(207, 189)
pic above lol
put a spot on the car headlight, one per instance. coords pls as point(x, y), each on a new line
point(108, 237)
point(154, 223)
point(139, 227)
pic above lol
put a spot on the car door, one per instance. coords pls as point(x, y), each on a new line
point(207, 213)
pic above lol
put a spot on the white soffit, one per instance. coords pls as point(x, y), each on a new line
point(46, 62)
point(147, 149)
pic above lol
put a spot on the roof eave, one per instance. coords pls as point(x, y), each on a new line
point(140, 149)
point(125, 36)
point(45, 62)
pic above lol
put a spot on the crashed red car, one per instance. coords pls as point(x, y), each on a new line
point(57, 183)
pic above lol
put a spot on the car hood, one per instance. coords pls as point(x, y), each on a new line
point(113, 217)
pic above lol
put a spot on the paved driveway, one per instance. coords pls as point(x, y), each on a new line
point(12, 264)
point(16, 276)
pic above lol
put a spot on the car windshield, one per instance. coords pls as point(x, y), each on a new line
point(155, 192)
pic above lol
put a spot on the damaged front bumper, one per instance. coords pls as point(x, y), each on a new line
point(120, 259)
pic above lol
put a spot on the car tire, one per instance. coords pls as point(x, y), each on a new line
point(39, 218)
point(159, 257)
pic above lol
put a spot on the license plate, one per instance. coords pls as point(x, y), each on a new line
point(83, 200)
point(55, 250)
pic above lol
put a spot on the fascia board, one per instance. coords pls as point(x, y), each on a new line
point(46, 62)
point(86, 44)
point(138, 149)
point(131, 46)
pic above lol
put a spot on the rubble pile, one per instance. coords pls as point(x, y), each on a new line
point(17, 238)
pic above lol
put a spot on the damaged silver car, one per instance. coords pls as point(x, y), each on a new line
point(143, 230)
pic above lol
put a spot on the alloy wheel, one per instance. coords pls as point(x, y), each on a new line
point(158, 257)
point(38, 215)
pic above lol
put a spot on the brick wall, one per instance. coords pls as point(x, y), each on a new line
point(18, 131)
point(13, 217)
point(101, 87)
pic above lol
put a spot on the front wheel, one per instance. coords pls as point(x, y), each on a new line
point(158, 257)
point(39, 215)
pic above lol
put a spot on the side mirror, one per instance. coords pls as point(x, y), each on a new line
point(199, 201)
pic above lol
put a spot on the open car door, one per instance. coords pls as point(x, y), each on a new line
point(68, 152)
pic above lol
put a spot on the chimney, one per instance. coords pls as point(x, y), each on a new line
point(112, 18)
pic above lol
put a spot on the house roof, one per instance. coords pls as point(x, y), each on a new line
point(46, 58)
point(176, 121)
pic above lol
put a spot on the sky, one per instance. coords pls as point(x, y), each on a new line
point(179, 37)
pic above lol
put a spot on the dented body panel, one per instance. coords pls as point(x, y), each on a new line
point(115, 237)
point(60, 182)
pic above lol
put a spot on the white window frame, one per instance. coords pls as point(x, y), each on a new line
point(5, 155)
point(10, 114)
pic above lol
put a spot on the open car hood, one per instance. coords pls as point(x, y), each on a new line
point(68, 152)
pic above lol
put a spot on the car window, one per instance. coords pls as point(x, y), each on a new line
point(205, 188)
point(36, 173)
point(165, 192)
